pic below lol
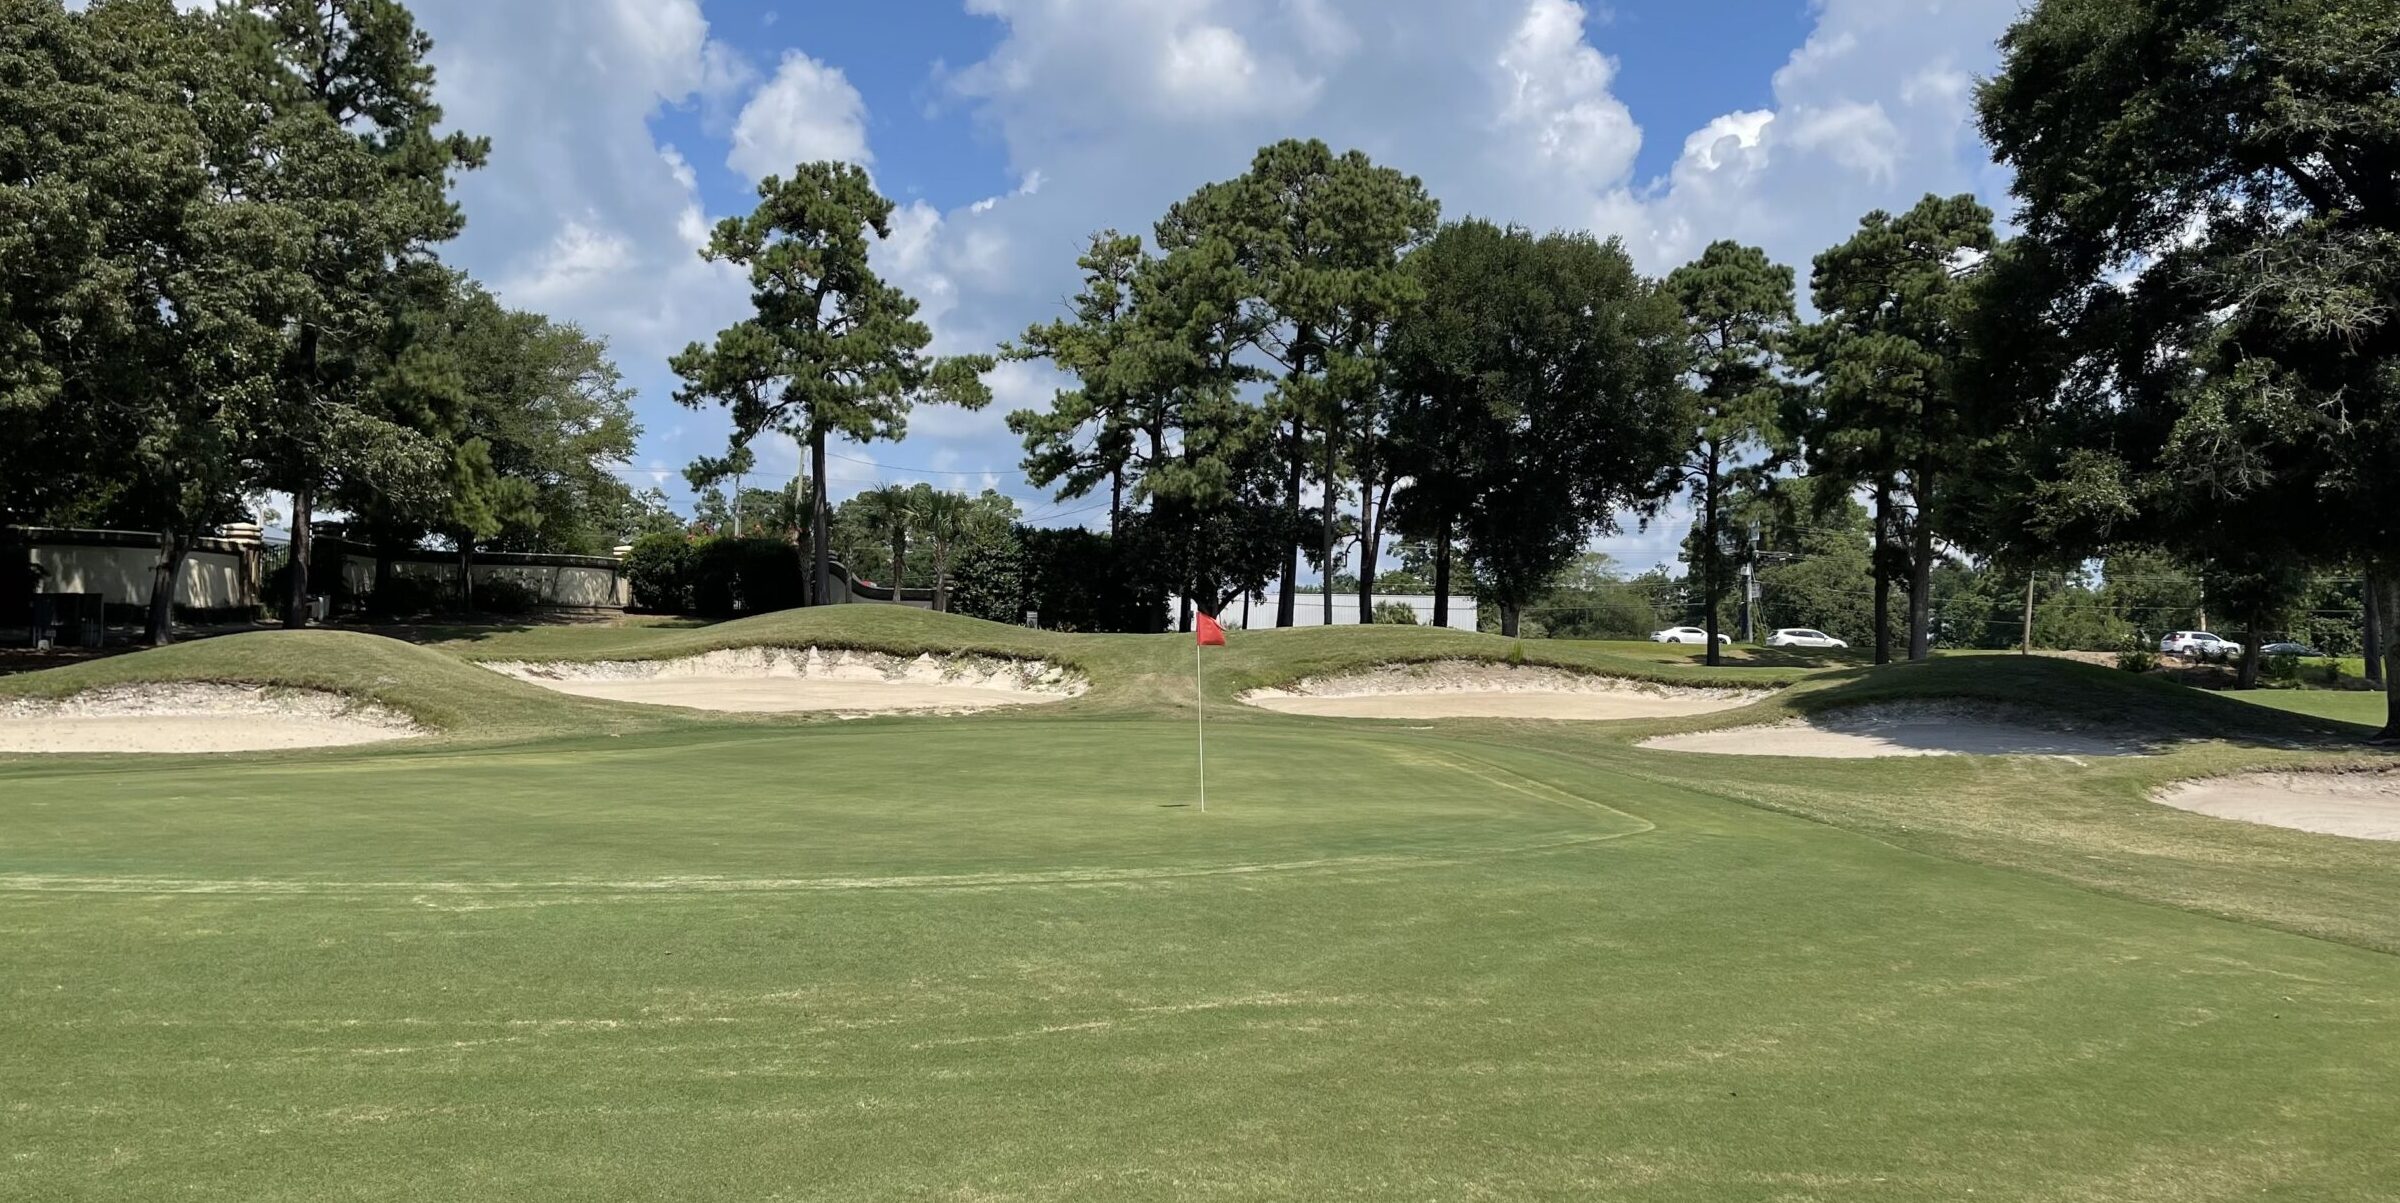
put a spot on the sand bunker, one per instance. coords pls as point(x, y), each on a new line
point(1476, 689)
point(2363, 805)
point(774, 679)
point(195, 718)
point(1916, 730)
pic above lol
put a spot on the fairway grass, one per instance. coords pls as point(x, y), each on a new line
point(2364, 709)
point(626, 956)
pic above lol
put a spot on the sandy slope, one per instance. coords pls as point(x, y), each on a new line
point(1475, 689)
point(766, 679)
point(195, 718)
point(1898, 730)
point(2363, 805)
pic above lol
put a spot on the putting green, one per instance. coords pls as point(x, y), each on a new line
point(1005, 958)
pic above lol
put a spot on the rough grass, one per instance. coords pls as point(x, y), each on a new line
point(1007, 958)
point(2361, 709)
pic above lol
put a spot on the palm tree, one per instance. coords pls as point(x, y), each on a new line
point(942, 516)
point(890, 512)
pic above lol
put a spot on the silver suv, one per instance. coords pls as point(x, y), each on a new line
point(2198, 645)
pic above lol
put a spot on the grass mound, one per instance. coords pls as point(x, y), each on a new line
point(893, 630)
point(429, 686)
point(2060, 692)
point(1278, 658)
point(1131, 674)
point(2040, 692)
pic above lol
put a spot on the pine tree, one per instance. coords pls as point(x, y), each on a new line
point(831, 349)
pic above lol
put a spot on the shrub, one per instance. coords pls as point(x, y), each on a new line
point(324, 577)
point(406, 595)
point(752, 575)
point(504, 595)
point(2137, 660)
point(659, 570)
point(987, 580)
point(2281, 672)
point(1392, 613)
point(1086, 581)
point(1516, 654)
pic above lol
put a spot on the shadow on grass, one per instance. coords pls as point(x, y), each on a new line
point(2056, 691)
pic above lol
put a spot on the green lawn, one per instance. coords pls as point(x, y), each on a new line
point(2362, 707)
point(628, 954)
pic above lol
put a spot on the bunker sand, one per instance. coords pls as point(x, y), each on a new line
point(169, 719)
point(795, 680)
point(1882, 731)
point(1475, 689)
point(2360, 805)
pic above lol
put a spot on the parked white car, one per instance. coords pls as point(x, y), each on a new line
point(1686, 635)
point(1803, 637)
point(2198, 645)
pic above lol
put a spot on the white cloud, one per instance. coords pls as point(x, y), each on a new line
point(582, 213)
point(1107, 111)
point(806, 113)
point(581, 256)
point(1074, 63)
point(1726, 142)
point(1853, 135)
point(1507, 109)
point(1872, 111)
point(1556, 90)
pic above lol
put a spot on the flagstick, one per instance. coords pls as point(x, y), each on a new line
point(1200, 696)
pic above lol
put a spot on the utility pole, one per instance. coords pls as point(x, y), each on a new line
point(2026, 648)
point(1749, 623)
point(737, 516)
point(2374, 648)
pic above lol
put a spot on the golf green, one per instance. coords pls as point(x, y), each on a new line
point(1009, 958)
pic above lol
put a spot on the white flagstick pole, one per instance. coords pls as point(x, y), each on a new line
point(1200, 696)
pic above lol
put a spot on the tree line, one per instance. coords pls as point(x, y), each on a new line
point(219, 236)
point(2192, 343)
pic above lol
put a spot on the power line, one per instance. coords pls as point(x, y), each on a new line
point(922, 471)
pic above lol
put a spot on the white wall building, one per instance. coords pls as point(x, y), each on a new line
point(1309, 610)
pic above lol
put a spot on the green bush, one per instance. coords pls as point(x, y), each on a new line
point(987, 580)
point(1391, 613)
point(659, 570)
point(750, 575)
point(2280, 672)
point(2137, 660)
point(407, 595)
point(504, 595)
point(1084, 581)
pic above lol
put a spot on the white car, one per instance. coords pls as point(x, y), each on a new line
point(2198, 645)
point(1686, 635)
point(1803, 637)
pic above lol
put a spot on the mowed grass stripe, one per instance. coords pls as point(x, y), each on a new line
point(1029, 803)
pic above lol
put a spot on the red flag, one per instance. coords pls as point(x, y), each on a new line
point(1211, 635)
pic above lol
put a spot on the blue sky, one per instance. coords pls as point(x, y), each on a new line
point(1007, 130)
